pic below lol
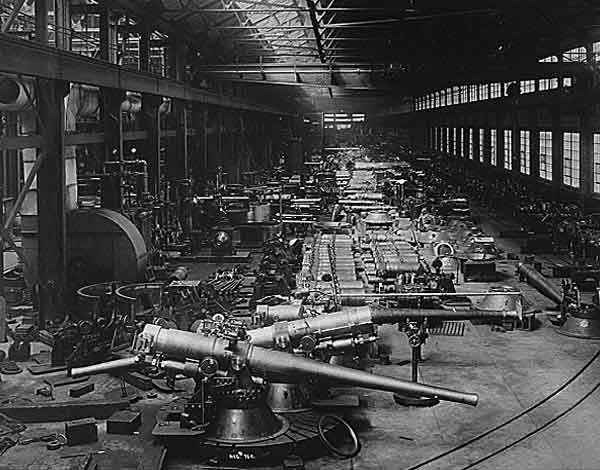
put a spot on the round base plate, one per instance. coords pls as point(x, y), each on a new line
point(300, 436)
point(407, 400)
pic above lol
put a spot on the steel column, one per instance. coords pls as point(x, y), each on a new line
point(150, 108)
point(51, 183)
point(41, 21)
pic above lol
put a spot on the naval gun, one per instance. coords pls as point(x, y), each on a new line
point(196, 355)
point(333, 329)
point(576, 318)
point(229, 415)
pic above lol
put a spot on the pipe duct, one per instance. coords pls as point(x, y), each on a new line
point(14, 94)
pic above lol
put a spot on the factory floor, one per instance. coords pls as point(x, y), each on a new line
point(509, 370)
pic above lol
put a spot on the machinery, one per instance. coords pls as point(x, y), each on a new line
point(227, 416)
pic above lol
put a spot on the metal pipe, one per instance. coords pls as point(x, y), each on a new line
point(540, 282)
point(14, 94)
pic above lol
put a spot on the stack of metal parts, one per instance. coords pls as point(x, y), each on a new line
point(394, 257)
point(329, 266)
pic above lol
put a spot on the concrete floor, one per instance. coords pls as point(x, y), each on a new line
point(510, 371)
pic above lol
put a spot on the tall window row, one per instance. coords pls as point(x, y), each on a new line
point(476, 143)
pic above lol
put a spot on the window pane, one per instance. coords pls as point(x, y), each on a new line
point(508, 149)
point(481, 144)
point(525, 155)
point(546, 155)
point(575, 55)
point(494, 147)
point(571, 173)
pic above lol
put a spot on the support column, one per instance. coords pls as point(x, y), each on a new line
point(150, 108)
point(205, 147)
point(587, 152)
point(108, 34)
point(112, 121)
point(534, 142)
point(516, 140)
point(51, 185)
point(145, 48)
point(557, 148)
point(177, 53)
point(177, 160)
point(41, 21)
point(62, 18)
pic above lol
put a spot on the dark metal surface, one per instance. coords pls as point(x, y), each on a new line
point(109, 244)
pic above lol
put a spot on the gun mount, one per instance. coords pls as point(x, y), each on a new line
point(577, 319)
point(228, 411)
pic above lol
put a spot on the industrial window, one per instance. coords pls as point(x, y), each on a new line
point(449, 96)
point(527, 86)
point(472, 93)
point(596, 52)
point(575, 55)
point(471, 149)
point(525, 154)
point(571, 159)
point(567, 82)
point(455, 95)
point(464, 94)
point(447, 140)
point(495, 90)
point(441, 142)
point(505, 86)
point(508, 149)
point(546, 155)
point(494, 147)
point(551, 58)
point(596, 162)
point(455, 140)
point(548, 84)
point(481, 144)
point(484, 91)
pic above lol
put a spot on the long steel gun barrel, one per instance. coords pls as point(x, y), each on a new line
point(359, 320)
point(191, 353)
point(538, 281)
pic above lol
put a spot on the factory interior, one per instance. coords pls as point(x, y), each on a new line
point(299, 234)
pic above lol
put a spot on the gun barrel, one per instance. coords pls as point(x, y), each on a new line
point(348, 322)
point(537, 280)
point(182, 345)
point(104, 367)
point(382, 315)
